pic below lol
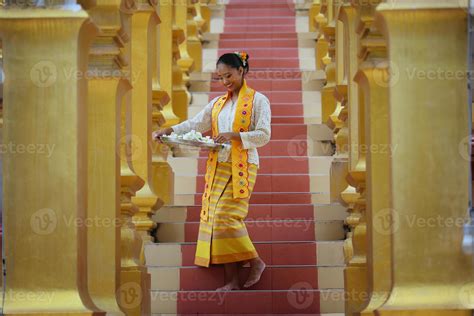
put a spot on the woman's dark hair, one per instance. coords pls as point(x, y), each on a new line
point(235, 61)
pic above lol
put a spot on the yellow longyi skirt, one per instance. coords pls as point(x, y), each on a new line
point(223, 238)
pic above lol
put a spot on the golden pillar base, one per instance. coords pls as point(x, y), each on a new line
point(134, 292)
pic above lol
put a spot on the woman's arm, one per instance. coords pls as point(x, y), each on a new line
point(261, 135)
point(201, 122)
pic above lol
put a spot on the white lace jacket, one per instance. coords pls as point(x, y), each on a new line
point(258, 135)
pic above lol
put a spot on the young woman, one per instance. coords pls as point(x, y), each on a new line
point(241, 117)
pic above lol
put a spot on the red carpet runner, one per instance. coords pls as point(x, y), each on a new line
point(281, 219)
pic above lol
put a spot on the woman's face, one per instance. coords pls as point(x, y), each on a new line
point(230, 77)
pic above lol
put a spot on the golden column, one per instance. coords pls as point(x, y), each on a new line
point(170, 76)
point(185, 62)
point(372, 80)
point(196, 25)
point(106, 82)
point(134, 291)
point(428, 101)
point(143, 28)
point(181, 95)
point(45, 58)
point(202, 8)
point(162, 173)
point(314, 11)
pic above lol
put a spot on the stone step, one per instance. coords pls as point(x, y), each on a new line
point(287, 230)
point(273, 96)
point(263, 198)
point(258, 43)
point(258, 21)
point(298, 301)
point(265, 52)
point(271, 183)
point(256, 35)
point(320, 253)
point(259, 12)
point(262, 28)
point(265, 85)
point(259, 212)
point(273, 278)
point(268, 165)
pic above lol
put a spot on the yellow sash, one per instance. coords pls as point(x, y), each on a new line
point(240, 174)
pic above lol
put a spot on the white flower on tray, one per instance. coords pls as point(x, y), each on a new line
point(193, 136)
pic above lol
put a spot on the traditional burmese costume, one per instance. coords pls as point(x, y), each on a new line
point(230, 174)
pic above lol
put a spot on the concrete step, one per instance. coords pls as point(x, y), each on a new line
point(273, 96)
point(258, 43)
point(262, 28)
point(286, 230)
point(259, 212)
point(297, 301)
point(263, 198)
point(273, 278)
point(320, 253)
point(258, 21)
point(265, 85)
point(284, 11)
point(271, 183)
point(268, 165)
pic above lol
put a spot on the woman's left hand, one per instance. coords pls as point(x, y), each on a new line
point(226, 137)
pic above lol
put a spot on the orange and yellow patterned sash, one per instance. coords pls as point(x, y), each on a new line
point(240, 173)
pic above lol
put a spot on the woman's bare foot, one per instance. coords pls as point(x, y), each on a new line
point(258, 266)
point(229, 287)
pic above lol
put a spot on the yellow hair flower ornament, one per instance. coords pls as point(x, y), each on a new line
point(243, 57)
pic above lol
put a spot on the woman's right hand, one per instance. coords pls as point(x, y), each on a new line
point(164, 131)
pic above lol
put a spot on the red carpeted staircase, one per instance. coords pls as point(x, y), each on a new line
point(295, 228)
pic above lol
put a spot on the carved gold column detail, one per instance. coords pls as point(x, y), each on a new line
point(143, 22)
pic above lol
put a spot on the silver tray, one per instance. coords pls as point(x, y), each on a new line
point(193, 143)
